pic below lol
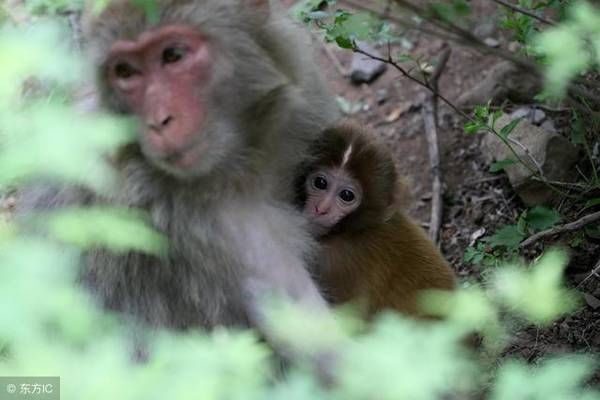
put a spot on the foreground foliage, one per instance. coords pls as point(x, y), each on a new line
point(49, 326)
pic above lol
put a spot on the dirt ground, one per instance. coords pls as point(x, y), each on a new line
point(473, 197)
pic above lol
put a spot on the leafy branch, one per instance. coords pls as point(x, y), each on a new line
point(474, 124)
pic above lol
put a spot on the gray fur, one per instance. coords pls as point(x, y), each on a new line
point(234, 236)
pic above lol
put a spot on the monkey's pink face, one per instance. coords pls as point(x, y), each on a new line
point(161, 77)
point(331, 194)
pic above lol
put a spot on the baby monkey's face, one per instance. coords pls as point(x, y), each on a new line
point(331, 194)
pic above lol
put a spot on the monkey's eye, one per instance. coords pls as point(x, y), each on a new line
point(172, 54)
point(124, 70)
point(320, 183)
point(347, 196)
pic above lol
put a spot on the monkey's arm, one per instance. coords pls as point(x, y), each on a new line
point(272, 248)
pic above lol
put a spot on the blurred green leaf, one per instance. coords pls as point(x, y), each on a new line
point(48, 140)
point(540, 218)
point(501, 165)
point(537, 293)
point(509, 236)
point(555, 379)
point(566, 47)
point(120, 230)
point(26, 51)
point(374, 363)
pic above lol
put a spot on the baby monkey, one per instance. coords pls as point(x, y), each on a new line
point(371, 252)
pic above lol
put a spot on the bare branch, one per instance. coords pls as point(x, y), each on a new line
point(524, 11)
point(572, 226)
point(429, 112)
point(594, 272)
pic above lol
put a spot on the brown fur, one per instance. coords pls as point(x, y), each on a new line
point(385, 266)
point(376, 254)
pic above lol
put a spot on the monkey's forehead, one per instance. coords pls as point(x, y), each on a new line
point(127, 19)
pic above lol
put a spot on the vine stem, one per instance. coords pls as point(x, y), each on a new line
point(535, 172)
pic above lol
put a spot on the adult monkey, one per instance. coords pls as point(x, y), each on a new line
point(227, 100)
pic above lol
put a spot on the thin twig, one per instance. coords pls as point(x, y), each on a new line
point(429, 112)
point(524, 11)
point(595, 272)
point(572, 226)
point(390, 61)
point(529, 155)
point(570, 185)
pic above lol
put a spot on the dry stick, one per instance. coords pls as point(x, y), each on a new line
point(429, 112)
point(524, 11)
point(572, 226)
point(594, 272)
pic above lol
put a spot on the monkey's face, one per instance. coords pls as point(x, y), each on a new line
point(163, 77)
point(331, 194)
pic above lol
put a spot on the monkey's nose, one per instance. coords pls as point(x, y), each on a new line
point(160, 125)
point(321, 210)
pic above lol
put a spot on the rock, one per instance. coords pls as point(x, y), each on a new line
point(485, 28)
point(556, 155)
point(382, 95)
point(514, 47)
point(532, 114)
point(548, 126)
point(521, 112)
point(364, 69)
point(504, 81)
point(478, 234)
point(537, 116)
point(491, 42)
point(591, 300)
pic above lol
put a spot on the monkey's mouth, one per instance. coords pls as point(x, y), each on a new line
point(185, 159)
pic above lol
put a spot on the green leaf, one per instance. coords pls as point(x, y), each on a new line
point(344, 42)
point(592, 202)
point(507, 130)
point(509, 236)
point(120, 230)
point(150, 8)
point(500, 165)
point(473, 255)
point(558, 378)
point(537, 293)
point(593, 231)
point(482, 112)
point(473, 127)
point(540, 218)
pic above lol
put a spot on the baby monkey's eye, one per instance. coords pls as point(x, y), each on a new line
point(320, 183)
point(347, 195)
